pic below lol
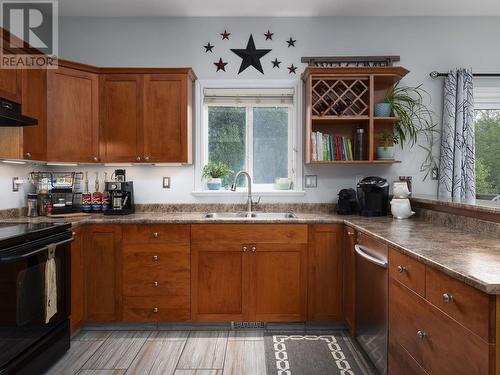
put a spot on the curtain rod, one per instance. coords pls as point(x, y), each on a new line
point(436, 74)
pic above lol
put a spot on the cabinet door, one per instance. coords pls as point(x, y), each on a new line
point(103, 273)
point(278, 282)
point(349, 278)
point(325, 273)
point(10, 84)
point(219, 282)
point(72, 115)
point(35, 105)
point(121, 117)
point(167, 120)
point(77, 281)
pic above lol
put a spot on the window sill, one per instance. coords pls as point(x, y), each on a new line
point(274, 193)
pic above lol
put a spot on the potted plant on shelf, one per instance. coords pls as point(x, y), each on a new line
point(214, 173)
point(387, 149)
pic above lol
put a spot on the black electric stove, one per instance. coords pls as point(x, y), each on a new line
point(29, 344)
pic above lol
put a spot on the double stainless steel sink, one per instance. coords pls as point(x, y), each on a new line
point(249, 215)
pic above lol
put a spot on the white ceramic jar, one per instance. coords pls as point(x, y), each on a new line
point(400, 189)
point(401, 208)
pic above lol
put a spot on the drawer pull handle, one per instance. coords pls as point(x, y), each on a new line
point(155, 258)
point(421, 335)
point(254, 249)
point(402, 269)
point(155, 310)
point(155, 283)
point(447, 298)
point(244, 249)
point(156, 234)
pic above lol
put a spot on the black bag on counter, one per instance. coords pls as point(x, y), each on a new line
point(348, 203)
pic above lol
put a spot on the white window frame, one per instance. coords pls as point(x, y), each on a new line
point(294, 134)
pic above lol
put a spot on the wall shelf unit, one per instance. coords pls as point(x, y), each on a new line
point(339, 100)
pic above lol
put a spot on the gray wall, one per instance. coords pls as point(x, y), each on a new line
point(424, 44)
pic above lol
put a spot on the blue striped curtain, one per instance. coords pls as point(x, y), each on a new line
point(457, 176)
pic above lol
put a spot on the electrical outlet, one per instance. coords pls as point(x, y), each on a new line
point(311, 181)
point(434, 173)
point(166, 182)
point(15, 186)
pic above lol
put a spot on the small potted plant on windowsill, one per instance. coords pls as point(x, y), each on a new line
point(214, 173)
point(386, 149)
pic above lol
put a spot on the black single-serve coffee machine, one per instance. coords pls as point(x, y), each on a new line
point(121, 194)
point(373, 196)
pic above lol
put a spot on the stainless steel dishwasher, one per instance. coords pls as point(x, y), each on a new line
point(371, 299)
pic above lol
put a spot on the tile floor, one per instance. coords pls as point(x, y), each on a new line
point(178, 350)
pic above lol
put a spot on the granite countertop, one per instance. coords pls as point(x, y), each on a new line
point(466, 256)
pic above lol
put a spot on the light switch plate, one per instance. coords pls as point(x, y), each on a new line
point(15, 186)
point(166, 182)
point(434, 173)
point(311, 181)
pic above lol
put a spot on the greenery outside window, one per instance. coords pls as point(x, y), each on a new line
point(251, 130)
point(487, 134)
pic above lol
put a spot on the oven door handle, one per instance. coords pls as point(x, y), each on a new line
point(15, 258)
point(361, 251)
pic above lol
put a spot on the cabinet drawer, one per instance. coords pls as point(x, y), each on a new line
point(438, 343)
point(249, 233)
point(469, 306)
point(153, 309)
point(408, 271)
point(156, 233)
point(401, 362)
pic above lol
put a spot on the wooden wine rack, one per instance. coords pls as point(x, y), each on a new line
point(338, 100)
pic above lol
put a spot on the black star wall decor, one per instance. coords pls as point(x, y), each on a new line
point(220, 65)
point(251, 56)
point(269, 35)
point(291, 42)
point(225, 35)
point(208, 47)
point(292, 69)
point(276, 63)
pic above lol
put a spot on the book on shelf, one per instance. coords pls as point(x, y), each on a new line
point(329, 147)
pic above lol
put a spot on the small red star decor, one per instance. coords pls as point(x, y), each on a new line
point(220, 65)
point(225, 35)
point(269, 35)
point(292, 69)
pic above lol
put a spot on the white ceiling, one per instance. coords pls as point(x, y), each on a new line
point(278, 8)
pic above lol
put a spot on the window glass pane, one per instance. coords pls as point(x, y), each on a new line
point(487, 151)
point(227, 137)
point(270, 144)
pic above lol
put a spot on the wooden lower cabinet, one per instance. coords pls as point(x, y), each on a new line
point(402, 363)
point(349, 279)
point(439, 344)
point(248, 279)
point(325, 273)
point(102, 253)
point(77, 280)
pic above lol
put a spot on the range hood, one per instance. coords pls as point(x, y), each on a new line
point(10, 115)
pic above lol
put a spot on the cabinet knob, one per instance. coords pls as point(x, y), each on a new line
point(146, 158)
point(27, 155)
point(138, 158)
point(155, 310)
point(244, 249)
point(350, 234)
point(155, 258)
point(254, 249)
point(95, 158)
point(447, 298)
point(156, 234)
point(401, 269)
point(155, 283)
point(421, 335)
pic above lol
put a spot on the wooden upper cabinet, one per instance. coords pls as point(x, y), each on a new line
point(72, 115)
point(167, 118)
point(34, 104)
point(121, 117)
point(10, 84)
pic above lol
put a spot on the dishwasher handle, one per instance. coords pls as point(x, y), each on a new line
point(361, 251)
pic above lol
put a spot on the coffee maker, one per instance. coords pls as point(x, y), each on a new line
point(373, 196)
point(121, 194)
